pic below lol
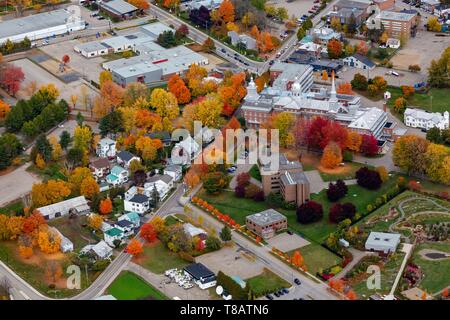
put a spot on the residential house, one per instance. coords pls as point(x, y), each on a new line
point(118, 176)
point(66, 245)
point(106, 148)
point(323, 35)
point(125, 226)
point(136, 201)
point(132, 217)
point(99, 251)
point(382, 242)
point(248, 41)
point(77, 205)
point(185, 151)
point(193, 231)
point(359, 61)
point(266, 223)
point(175, 171)
point(124, 158)
point(418, 118)
point(112, 235)
point(162, 183)
point(100, 168)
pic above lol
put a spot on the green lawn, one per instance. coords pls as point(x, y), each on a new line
point(157, 258)
point(13, 208)
point(317, 258)
point(255, 173)
point(129, 286)
point(239, 208)
point(266, 282)
point(437, 273)
point(439, 102)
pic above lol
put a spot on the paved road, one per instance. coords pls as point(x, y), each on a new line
point(106, 277)
point(309, 288)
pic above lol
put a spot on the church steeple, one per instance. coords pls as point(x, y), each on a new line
point(333, 100)
point(252, 91)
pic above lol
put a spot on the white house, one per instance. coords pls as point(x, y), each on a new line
point(66, 245)
point(77, 205)
point(106, 148)
point(193, 231)
point(100, 168)
point(185, 151)
point(112, 235)
point(125, 226)
point(382, 242)
point(359, 61)
point(136, 201)
point(117, 176)
point(175, 171)
point(393, 43)
point(124, 158)
point(201, 275)
point(162, 183)
point(418, 118)
point(100, 250)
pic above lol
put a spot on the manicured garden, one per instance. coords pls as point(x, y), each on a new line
point(436, 273)
point(157, 258)
point(129, 286)
point(317, 258)
point(266, 282)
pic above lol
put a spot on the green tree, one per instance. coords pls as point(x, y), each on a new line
point(64, 139)
point(80, 119)
point(225, 234)
point(439, 71)
point(111, 123)
point(214, 182)
point(44, 147)
point(75, 156)
point(213, 243)
point(10, 147)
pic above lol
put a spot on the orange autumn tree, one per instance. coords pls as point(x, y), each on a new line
point(4, 109)
point(332, 156)
point(26, 252)
point(145, 119)
point(344, 88)
point(265, 42)
point(191, 179)
point(148, 232)
point(354, 141)
point(49, 241)
point(106, 206)
point(89, 187)
point(351, 295)
point(95, 221)
point(134, 247)
point(179, 89)
point(254, 32)
point(140, 4)
point(334, 48)
point(297, 259)
point(225, 12)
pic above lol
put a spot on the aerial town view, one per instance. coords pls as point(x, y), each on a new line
point(224, 150)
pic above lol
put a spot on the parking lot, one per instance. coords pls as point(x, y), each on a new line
point(233, 261)
point(287, 242)
point(296, 7)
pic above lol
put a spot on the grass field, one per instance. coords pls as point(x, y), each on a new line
point(157, 258)
point(317, 257)
point(13, 208)
point(129, 286)
point(239, 208)
point(439, 102)
point(437, 273)
point(266, 282)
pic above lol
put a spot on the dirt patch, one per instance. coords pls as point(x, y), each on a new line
point(195, 47)
point(406, 57)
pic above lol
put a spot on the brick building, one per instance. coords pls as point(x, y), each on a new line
point(266, 223)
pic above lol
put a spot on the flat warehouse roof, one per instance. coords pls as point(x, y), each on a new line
point(118, 6)
point(33, 23)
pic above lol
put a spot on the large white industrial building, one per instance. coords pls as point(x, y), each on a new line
point(40, 26)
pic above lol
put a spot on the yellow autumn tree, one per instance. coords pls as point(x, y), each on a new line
point(332, 156)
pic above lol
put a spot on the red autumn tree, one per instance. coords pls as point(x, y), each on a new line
point(297, 259)
point(134, 247)
point(334, 48)
point(369, 145)
point(66, 59)
point(322, 131)
point(32, 222)
point(11, 77)
point(351, 295)
point(199, 245)
point(148, 232)
point(106, 206)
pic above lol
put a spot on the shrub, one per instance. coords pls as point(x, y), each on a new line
point(251, 190)
point(239, 191)
point(243, 179)
point(336, 191)
point(259, 196)
point(275, 200)
point(340, 212)
point(309, 212)
point(368, 179)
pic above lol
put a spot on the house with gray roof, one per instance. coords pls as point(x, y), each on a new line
point(359, 61)
point(418, 118)
point(106, 148)
point(248, 41)
point(382, 242)
point(266, 223)
point(136, 200)
point(124, 158)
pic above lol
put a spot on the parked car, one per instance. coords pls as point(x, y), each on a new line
point(276, 294)
point(297, 281)
point(284, 290)
point(289, 232)
point(223, 50)
point(280, 292)
point(269, 297)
